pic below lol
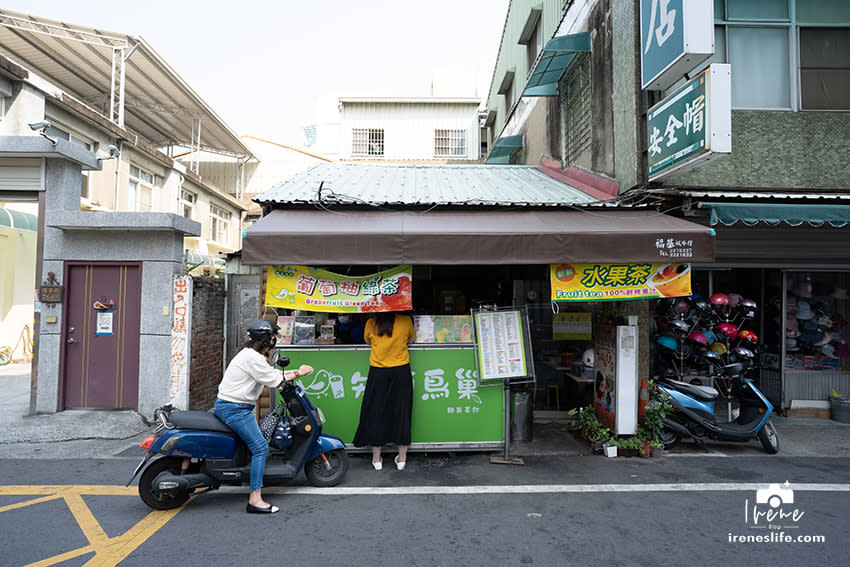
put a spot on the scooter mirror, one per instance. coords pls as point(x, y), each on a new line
point(279, 361)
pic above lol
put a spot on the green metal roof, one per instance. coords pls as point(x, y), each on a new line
point(556, 57)
point(503, 148)
point(197, 259)
point(774, 213)
point(424, 185)
point(17, 219)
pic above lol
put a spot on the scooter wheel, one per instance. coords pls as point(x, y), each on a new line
point(769, 439)
point(322, 475)
point(669, 438)
point(161, 499)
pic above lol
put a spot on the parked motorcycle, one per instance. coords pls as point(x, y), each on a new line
point(193, 452)
point(694, 417)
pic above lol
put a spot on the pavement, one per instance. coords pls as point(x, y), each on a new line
point(117, 434)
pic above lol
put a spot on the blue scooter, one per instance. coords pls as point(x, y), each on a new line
point(193, 452)
point(694, 417)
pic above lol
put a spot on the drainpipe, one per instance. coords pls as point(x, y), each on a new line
point(118, 171)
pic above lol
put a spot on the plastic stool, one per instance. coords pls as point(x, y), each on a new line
point(553, 388)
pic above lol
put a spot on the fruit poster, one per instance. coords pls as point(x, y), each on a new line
point(618, 282)
point(312, 289)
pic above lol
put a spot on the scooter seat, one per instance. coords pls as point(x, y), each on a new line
point(202, 420)
point(704, 393)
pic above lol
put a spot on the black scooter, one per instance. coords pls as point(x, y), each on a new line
point(694, 412)
point(193, 451)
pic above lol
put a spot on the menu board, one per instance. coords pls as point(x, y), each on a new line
point(500, 345)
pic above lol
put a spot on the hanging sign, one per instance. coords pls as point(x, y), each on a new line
point(618, 282)
point(572, 326)
point(312, 289)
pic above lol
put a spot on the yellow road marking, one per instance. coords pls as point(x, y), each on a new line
point(107, 551)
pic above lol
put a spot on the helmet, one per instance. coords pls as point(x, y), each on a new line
point(727, 330)
point(743, 353)
point(712, 357)
point(735, 299)
point(682, 306)
point(262, 329)
point(748, 336)
point(664, 306)
point(719, 299)
point(710, 337)
point(680, 325)
point(588, 358)
point(719, 348)
point(698, 337)
point(667, 342)
point(700, 307)
point(748, 308)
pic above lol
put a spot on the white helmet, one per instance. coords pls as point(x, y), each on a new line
point(588, 358)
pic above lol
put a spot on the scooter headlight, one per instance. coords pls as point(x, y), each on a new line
point(320, 417)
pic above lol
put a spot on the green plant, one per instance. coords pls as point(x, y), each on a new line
point(656, 410)
point(589, 425)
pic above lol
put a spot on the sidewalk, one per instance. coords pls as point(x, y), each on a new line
point(107, 434)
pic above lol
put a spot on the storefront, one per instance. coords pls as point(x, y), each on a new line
point(458, 259)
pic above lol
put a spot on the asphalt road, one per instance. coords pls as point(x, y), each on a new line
point(443, 510)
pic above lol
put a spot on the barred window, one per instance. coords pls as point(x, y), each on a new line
point(450, 143)
point(575, 99)
point(367, 142)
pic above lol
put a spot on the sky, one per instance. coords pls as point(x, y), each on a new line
point(262, 66)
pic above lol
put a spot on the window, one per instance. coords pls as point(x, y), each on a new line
point(575, 99)
point(219, 224)
point(85, 186)
point(785, 54)
point(450, 143)
point(535, 44)
point(187, 203)
point(142, 183)
point(366, 142)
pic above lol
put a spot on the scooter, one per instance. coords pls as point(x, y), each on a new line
point(694, 417)
point(193, 452)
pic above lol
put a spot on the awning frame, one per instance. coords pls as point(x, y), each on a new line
point(556, 57)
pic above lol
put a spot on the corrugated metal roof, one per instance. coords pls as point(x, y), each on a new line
point(734, 193)
point(424, 185)
point(158, 104)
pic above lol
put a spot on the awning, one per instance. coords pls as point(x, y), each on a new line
point(341, 237)
point(196, 259)
point(18, 219)
point(502, 150)
point(557, 56)
point(775, 213)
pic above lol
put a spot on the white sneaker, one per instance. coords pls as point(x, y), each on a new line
point(379, 465)
point(399, 464)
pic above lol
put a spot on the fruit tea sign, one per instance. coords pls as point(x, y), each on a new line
point(618, 282)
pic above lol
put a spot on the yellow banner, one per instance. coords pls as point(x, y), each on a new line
point(312, 289)
point(618, 282)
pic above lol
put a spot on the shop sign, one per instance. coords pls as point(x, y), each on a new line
point(618, 282)
point(693, 125)
point(572, 326)
point(676, 36)
point(178, 383)
point(312, 289)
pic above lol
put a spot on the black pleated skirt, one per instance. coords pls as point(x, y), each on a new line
point(386, 408)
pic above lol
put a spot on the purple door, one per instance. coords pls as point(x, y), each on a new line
point(102, 314)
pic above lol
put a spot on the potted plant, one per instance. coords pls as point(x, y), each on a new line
point(652, 422)
point(591, 429)
point(628, 446)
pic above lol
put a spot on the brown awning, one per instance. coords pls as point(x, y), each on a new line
point(322, 237)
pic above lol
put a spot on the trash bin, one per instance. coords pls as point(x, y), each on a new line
point(522, 417)
point(841, 409)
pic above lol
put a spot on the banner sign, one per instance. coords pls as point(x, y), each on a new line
point(312, 289)
point(618, 282)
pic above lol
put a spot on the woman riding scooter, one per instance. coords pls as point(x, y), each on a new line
point(244, 379)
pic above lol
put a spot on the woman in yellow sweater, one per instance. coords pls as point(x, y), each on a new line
point(388, 398)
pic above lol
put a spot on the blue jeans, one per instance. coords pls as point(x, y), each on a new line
point(240, 418)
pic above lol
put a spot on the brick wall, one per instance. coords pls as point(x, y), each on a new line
point(208, 303)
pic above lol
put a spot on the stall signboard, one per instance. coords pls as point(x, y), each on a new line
point(618, 282)
point(449, 404)
point(693, 125)
point(500, 343)
point(312, 289)
point(572, 326)
point(676, 36)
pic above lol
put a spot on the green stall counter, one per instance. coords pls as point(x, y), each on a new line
point(451, 410)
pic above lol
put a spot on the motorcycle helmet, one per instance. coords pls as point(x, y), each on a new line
point(735, 299)
point(698, 338)
point(664, 306)
point(668, 343)
point(680, 325)
point(701, 308)
point(710, 337)
point(748, 309)
point(718, 347)
point(719, 299)
point(742, 353)
point(263, 330)
point(588, 358)
point(681, 307)
point(748, 337)
point(712, 357)
point(727, 330)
